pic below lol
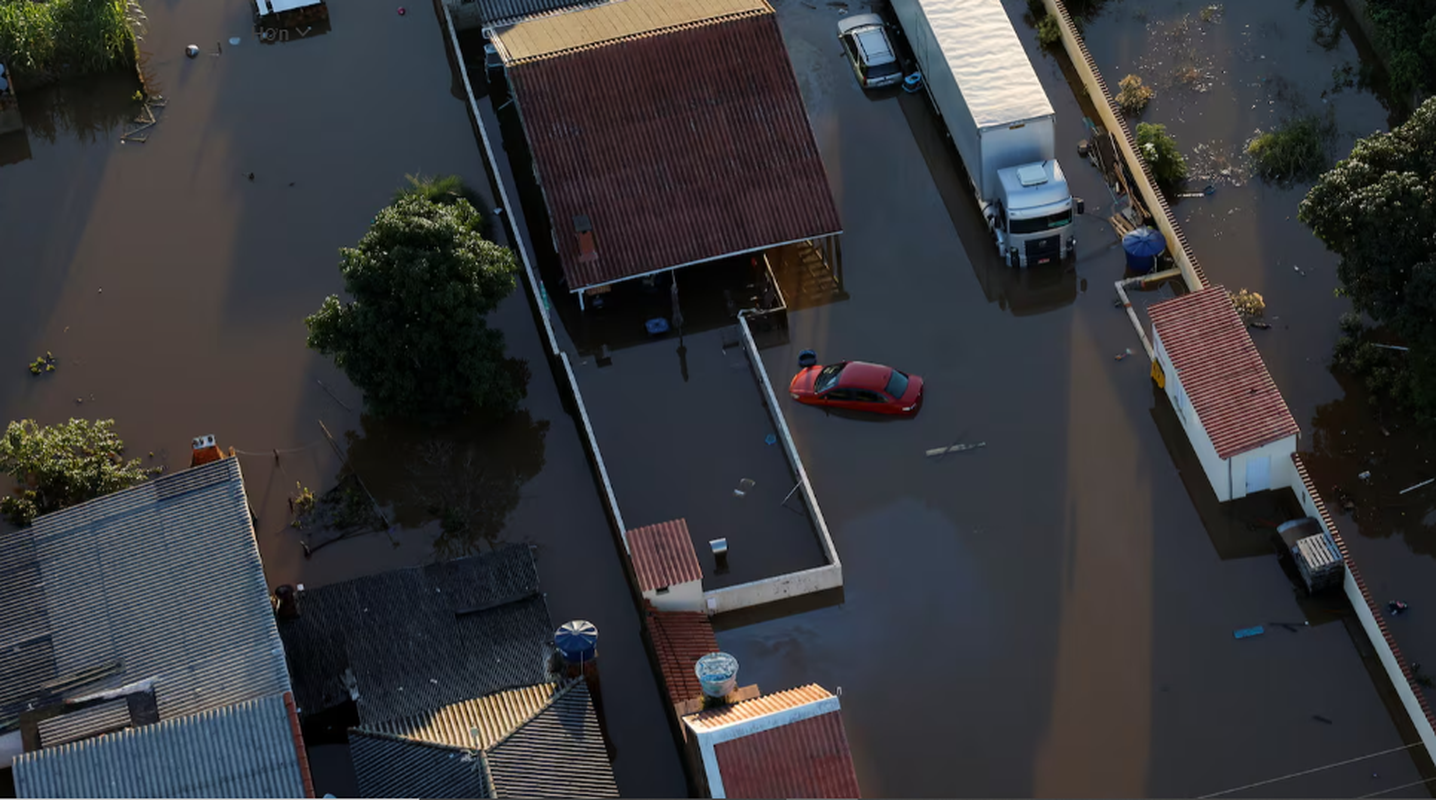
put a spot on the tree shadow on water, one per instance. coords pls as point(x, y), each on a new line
point(459, 482)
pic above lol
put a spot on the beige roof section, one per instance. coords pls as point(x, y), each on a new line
point(473, 724)
point(762, 706)
point(594, 26)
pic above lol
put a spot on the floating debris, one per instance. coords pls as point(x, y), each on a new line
point(1246, 633)
point(957, 448)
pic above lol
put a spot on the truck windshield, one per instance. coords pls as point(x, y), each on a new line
point(1040, 224)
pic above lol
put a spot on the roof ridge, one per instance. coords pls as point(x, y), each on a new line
point(656, 32)
point(394, 737)
point(558, 695)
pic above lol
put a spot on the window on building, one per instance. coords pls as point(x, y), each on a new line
point(663, 590)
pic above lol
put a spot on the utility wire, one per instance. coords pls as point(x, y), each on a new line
point(1397, 788)
point(309, 446)
point(1312, 770)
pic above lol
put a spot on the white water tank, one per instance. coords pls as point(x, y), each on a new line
point(718, 673)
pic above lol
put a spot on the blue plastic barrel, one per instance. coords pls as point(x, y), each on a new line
point(1142, 247)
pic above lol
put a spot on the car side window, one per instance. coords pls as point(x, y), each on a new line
point(840, 394)
point(850, 47)
point(869, 397)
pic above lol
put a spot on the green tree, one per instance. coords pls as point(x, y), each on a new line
point(1377, 210)
point(413, 335)
point(61, 465)
point(1160, 150)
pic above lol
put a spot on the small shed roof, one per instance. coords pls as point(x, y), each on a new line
point(679, 639)
point(793, 745)
point(663, 555)
point(1221, 372)
point(160, 583)
point(681, 146)
point(244, 750)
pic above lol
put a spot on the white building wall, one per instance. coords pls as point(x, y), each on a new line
point(682, 597)
point(1216, 469)
point(1278, 455)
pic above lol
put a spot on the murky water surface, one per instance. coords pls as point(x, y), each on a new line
point(172, 288)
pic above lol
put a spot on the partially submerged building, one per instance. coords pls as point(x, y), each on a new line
point(138, 632)
point(665, 134)
point(1229, 406)
point(452, 680)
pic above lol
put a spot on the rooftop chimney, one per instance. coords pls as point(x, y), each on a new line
point(205, 451)
point(587, 249)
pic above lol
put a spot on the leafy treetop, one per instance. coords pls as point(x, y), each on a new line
point(61, 465)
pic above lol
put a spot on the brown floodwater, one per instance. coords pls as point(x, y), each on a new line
point(172, 289)
point(1057, 607)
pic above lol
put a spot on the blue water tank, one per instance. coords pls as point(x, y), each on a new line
point(718, 674)
point(577, 641)
point(1142, 247)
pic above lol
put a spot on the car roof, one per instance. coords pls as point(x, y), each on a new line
point(862, 375)
point(869, 31)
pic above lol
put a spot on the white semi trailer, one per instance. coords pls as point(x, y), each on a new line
point(993, 106)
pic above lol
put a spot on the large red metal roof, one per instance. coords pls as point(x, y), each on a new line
point(663, 555)
point(806, 758)
point(679, 639)
point(1221, 371)
point(677, 147)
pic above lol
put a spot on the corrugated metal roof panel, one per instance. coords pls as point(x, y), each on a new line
point(806, 758)
point(422, 638)
point(107, 716)
point(777, 702)
point(607, 23)
point(678, 148)
point(663, 555)
point(243, 750)
point(679, 639)
point(492, 717)
point(162, 581)
point(559, 753)
point(1221, 371)
point(391, 766)
point(498, 11)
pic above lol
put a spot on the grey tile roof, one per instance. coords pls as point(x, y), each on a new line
point(160, 582)
point(243, 750)
point(496, 11)
point(422, 638)
point(473, 724)
point(391, 766)
point(559, 753)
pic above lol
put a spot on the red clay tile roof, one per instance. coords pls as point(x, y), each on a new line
point(679, 639)
point(663, 555)
point(679, 147)
point(714, 718)
point(806, 758)
point(1222, 372)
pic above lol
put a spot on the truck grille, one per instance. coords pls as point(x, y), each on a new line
point(1043, 251)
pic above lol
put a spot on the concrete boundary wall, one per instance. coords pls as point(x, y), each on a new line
point(793, 584)
point(1413, 697)
point(536, 289)
point(1114, 121)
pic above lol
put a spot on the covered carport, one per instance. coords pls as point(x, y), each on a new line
point(666, 134)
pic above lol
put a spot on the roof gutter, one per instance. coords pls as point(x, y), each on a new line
point(733, 254)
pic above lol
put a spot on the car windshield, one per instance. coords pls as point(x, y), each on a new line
point(827, 378)
point(897, 385)
point(1039, 224)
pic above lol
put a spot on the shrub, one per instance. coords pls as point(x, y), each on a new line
point(1134, 95)
point(1294, 150)
point(43, 42)
point(1159, 148)
point(1249, 304)
point(1049, 32)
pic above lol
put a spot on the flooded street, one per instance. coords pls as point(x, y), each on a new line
point(172, 289)
point(1059, 587)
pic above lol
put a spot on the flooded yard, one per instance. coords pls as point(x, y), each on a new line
point(1070, 605)
point(170, 279)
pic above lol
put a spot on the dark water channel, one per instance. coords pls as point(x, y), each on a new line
point(1051, 614)
point(172, 289)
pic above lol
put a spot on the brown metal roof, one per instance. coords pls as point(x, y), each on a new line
point(1221, 371)
point(679, 639)
point(663, 555)
point(807, 758)
point(679, 147)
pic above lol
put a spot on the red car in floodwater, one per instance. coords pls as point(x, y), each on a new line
point(858, 386)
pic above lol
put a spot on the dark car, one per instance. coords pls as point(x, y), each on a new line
point(858, 386)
